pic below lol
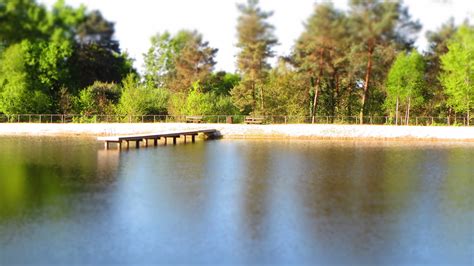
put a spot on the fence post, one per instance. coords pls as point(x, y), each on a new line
point(40, 119)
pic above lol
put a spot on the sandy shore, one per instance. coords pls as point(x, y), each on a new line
point(297, 131)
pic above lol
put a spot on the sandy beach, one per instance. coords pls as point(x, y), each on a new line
point(291, 131)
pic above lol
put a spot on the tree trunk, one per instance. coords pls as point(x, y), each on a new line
point(368, 72)
point(396, 111)
point(318, 82)
point(468, 114)
point(408, 111)
point(449, 116)
point(335, 95)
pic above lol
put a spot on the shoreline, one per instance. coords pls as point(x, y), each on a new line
point(242, 131)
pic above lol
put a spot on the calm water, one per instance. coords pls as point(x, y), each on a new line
point(239, 202)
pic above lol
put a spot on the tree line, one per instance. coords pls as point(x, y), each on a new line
point(359, 62)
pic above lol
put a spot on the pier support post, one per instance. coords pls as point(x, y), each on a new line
point(137, 144)
point(193, 138)
point(155, 142)
point(174, 140)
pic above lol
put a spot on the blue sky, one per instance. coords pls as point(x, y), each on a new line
point(137, 20)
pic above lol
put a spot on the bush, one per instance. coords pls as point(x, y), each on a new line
point(138, 100)
point(98, 99)
point(198, 103)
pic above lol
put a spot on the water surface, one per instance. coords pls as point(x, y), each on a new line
point(236, 202)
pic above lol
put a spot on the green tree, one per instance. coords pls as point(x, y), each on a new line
point(381, 28)
point(96, 55)
point(320, 53)
point(176, 62)
point(405, 83)
point(458, 71)
point(255, 42)
point(286, 92)
point(438, 46)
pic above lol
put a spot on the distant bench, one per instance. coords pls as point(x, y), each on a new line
point(194, 119)
point(254, 120)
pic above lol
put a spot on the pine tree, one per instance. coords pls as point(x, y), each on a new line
point(320, 54)
point(380, 28)
point(255, 43)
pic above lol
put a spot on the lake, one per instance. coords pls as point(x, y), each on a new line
point(65, 199)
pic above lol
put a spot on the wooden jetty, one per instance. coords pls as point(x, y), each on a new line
point(154, 137)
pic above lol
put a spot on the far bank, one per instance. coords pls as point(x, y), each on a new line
point(290, 131)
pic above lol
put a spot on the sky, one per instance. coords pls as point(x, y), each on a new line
point(136, 21)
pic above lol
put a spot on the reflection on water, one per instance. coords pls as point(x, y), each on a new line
point(277, 202)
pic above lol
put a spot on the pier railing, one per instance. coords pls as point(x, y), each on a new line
point(236, 119)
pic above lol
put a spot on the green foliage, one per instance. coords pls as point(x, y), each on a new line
point(221, 83)
point(438, 46)
point(66, 60)
point(176, 62)
point(18, 93)
point(255, 42)
point(285, 93)
point(138, 99)
point(378, 30)
point(458, 71)
point(321, 54)
point(98, 99)
point(22, 20)
point(405, 81)
point(199, 103)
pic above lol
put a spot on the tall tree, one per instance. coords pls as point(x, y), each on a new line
point(438, 46)
point(405, 84)
point(178, 61)
point(381, 27)
point(97, 55)
point(255, 42)
point(320, 53)
point(458, 71)
point(95, 29)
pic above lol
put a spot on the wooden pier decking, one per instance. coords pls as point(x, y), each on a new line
point(155, 137)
